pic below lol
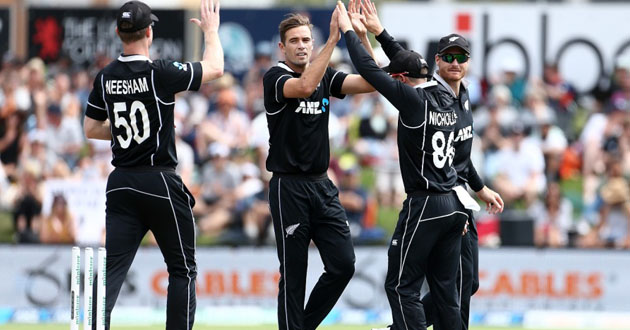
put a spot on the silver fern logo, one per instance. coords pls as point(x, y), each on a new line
point(291, 229)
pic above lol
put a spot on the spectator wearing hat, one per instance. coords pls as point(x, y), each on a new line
point(227, 125)
point(613, 226)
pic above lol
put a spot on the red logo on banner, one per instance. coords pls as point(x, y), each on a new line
point(48, 35)
point(463, 22)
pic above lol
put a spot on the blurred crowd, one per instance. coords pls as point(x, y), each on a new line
point(559, 158)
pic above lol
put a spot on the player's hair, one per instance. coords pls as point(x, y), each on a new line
point(293, 20)
point(128, 37)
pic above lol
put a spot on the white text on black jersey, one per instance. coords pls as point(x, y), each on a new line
point(131, 86)
point(464, 134)
point(442, 118)
point(309, 108)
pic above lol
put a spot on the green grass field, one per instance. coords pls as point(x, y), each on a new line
point(201, 327)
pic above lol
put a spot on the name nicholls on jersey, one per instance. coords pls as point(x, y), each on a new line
point(131, 86)
point(442, 118)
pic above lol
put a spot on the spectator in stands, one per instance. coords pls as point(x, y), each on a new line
point(494, 119)
point(613, 227)
point(389, 187)
point(620, 100)
point(553, 144)
point(511, 78)
point(15, 102)
point(219, 179)
point(64, 134)
point(553, 218)
point(228, 125)
point(517, 170)
point(352, 196)
point(561, 95)
point(28, 206)
point(253, 79)
point(59, 227)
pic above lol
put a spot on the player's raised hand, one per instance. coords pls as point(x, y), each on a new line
point(344, 20)
point(494, 203)
point(372, 22)
point(356, 17)
point(210, 18)
point(334, 27)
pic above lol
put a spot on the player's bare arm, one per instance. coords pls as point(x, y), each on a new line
point(299, 43)
point(354, 83)
point(212, 62)
point(96, 129)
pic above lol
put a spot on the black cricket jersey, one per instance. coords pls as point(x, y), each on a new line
point(298, 127)
point(464, 131)
point(426, 121)
point(138, 97)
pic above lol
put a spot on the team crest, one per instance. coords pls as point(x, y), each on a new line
point(180, 66)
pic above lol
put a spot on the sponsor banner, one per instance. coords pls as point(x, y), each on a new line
point(579, 37)
point(510, 279)
point(5, 32)
point(82, 34)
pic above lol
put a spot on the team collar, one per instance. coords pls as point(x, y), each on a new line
point(285, 66)
point(426, 84)
point(442, 82)
point(130, 58)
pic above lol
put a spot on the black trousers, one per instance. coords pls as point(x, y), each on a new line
point(305, 209)
point(468, 276)
point(156, 200)
point(426, 242)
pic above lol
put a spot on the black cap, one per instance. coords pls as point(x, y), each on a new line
point(408, 62)
point(453, 40)
point(137, 13)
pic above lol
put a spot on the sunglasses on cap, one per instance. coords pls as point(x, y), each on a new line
point(449, 58)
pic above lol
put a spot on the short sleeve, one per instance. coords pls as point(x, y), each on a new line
point(273, 83)
point(177, 77)
point(336, 79)
point(96, 108)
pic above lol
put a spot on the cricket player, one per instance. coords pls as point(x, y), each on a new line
point(427, 238)
point(131, 104)
point(304, 202)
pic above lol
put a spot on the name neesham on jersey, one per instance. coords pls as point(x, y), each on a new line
point(442, 118)
point(130, 86)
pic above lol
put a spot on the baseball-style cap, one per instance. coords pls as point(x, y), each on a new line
point(453, 40)
point(137, 13)
point(408, 63)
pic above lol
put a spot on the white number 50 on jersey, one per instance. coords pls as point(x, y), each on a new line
point(121, 107)
point(442, 150)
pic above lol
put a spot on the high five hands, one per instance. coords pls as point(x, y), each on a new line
point(361, 16)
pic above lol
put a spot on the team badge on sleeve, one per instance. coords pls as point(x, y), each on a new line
point(180, 66)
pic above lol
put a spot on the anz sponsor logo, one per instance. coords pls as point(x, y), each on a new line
point(312, 107)
point(464, 134)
